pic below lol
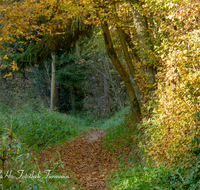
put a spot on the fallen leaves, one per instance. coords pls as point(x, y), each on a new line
point(85, 158)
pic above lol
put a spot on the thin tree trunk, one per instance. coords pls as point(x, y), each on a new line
point(49, 78)
point(126, 53)
point(107, 75)
point(113, 56)
point(53, 81)
point(125, 49)
point(128, 58)
point(131, 46)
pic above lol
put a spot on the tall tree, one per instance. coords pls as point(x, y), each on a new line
point(145, 46)
point(113, 56)
point(58, 16)
point(44, 34)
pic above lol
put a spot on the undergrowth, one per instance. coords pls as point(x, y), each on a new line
point(42, 127)
point(143, 175)
point(21, 131)
point(19, 169)
point(117, 119)
point(146, 177)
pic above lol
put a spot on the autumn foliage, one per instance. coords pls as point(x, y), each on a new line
point(158, 58)
point(174, 129)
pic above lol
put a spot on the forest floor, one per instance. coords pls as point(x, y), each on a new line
point(85, 157)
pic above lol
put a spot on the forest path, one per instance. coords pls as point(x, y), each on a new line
point(86, 158)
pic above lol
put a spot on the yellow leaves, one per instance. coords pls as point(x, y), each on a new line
point(7, 75)
point(20, 49)
point(13, 66)
point(37, 39)
point(3, 66)
point(5, 57)
point(59, 33)
point(177, 107)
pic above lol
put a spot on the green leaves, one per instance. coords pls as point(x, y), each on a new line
point(158, 178)
point(197, 151)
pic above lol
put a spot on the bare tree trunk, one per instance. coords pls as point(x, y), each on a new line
point(126, 53)
point(131, 46)
point(107, 75)
point(144, 46)
point(125, 49)
point(113, 56)
point(53, 81)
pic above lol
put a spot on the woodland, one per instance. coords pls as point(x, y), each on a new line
point(100, 94)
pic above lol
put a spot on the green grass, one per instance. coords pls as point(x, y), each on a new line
point(42, 127)
point(35, 125)
point(113, 121)
point(145, 177)
point(118, 137)
point(141, 175)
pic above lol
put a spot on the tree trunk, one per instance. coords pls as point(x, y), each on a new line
point(125, 49)
point(126, 53)
point(53, 81)
point(144, 45)
point(113, 56)
point(131, 46)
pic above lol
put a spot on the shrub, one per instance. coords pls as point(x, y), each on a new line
point(175, 122)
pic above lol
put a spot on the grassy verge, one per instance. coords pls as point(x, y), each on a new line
point(34, 127)
point(145, 177)
point(43, 127)
point(113, 121)
point(136, 173)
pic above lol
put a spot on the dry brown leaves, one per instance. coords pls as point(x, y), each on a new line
point(85, 158)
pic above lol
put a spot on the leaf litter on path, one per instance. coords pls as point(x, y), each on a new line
point(85, 157)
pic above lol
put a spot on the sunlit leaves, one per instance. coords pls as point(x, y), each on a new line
point(178, 101)
point(5, 57)
point(3, 66)
point(13, 66)
point(7, 75)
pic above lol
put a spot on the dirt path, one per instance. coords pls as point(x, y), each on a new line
point(86, 159)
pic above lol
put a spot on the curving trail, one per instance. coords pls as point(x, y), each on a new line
point(85, 157)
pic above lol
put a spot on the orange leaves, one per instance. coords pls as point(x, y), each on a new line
point(3, 66)
point(5, 57)
point(7, 75)
point(20, 49)
point(22, 17)
point(13, 66)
